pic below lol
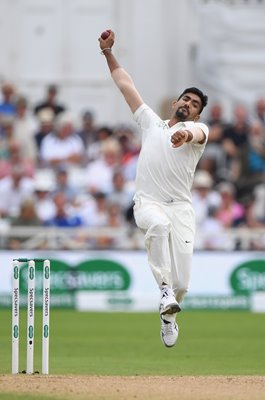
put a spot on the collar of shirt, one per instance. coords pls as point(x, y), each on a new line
point(175, 127)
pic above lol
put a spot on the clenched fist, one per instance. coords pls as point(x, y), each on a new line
point(179, 137)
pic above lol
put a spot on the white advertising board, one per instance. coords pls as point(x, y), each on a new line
point(122, 280)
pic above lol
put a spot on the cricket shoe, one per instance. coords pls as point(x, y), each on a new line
point(169, 330)
point(168, 302)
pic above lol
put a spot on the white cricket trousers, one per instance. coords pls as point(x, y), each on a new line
point(169, 230)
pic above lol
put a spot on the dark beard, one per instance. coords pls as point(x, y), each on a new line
point(180, 115)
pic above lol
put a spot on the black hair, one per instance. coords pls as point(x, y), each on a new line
point(199, 93)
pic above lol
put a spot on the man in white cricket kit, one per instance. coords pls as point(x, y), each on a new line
point(163, 205)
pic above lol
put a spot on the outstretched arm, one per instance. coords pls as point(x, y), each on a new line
point(121, 78)
point(196, 135)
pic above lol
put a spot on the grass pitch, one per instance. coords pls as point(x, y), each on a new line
point(210, 343)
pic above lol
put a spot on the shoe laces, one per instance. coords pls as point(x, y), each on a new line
point(165, 292)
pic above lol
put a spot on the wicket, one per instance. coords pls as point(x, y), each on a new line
point(30, 315)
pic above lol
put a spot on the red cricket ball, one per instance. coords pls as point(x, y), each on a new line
point(104, 35)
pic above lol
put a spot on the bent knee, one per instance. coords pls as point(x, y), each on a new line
point(161, 229)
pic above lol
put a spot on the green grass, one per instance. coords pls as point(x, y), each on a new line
point(210, 343)
point(16, 396)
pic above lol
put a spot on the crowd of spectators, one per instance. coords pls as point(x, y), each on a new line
point(56, 171)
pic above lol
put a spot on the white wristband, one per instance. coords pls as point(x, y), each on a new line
point(107, 48)
point(197, 135)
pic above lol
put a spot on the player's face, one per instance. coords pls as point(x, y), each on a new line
point(188, 107)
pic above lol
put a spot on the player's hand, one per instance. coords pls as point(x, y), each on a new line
point(179, 137)
point(108, 42)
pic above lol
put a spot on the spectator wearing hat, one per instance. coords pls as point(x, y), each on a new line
point(204, 197)
point(44, 186)
point(44, 127)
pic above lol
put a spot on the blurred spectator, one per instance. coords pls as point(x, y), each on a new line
point(211, 233)
point(259, 202)
point(100, 172)
point(88, 129)
point(251, 219)
point(93, 151)
point(94, 211)
point(14, 189)
point(256, 151)
point(122, 193)
point(100, 217)
point(216, 115)
point(14, 157)
point(7, 105)
point(63, 185)
point(204, 197)
point(64, 146)
point(260, 110)
point(6, 135)
point(114, 219)
point(214, 158)
point(27, 217)
point(130, 148)
point(64, 217)
point(45, 207)
point(44, 127)
point(50, 102)
point(24, 128)
point(235, 141)
point(230, 213)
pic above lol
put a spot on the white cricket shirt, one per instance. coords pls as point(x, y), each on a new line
point(165, 174)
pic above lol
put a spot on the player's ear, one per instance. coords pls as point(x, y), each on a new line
point(197, 118)
point(174, 104)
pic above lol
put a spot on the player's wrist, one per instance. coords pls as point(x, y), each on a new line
point(106, 50)
point(189, 136)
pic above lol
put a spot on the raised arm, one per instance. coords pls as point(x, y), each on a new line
point(121, 78)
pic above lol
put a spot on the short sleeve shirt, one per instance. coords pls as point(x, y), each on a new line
point(165, 174)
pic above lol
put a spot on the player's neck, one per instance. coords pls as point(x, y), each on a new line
point(174, 121)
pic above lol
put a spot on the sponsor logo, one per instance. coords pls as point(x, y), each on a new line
point(31, 332)
point(31, 273)
point(47, 272)
point(66, 280)
point(95, 274)
point(15, 331)
point(45, 331)
point(31, 302)
point(249, 277)
point(16, 272)
point(46, 301)
point(15, 302)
